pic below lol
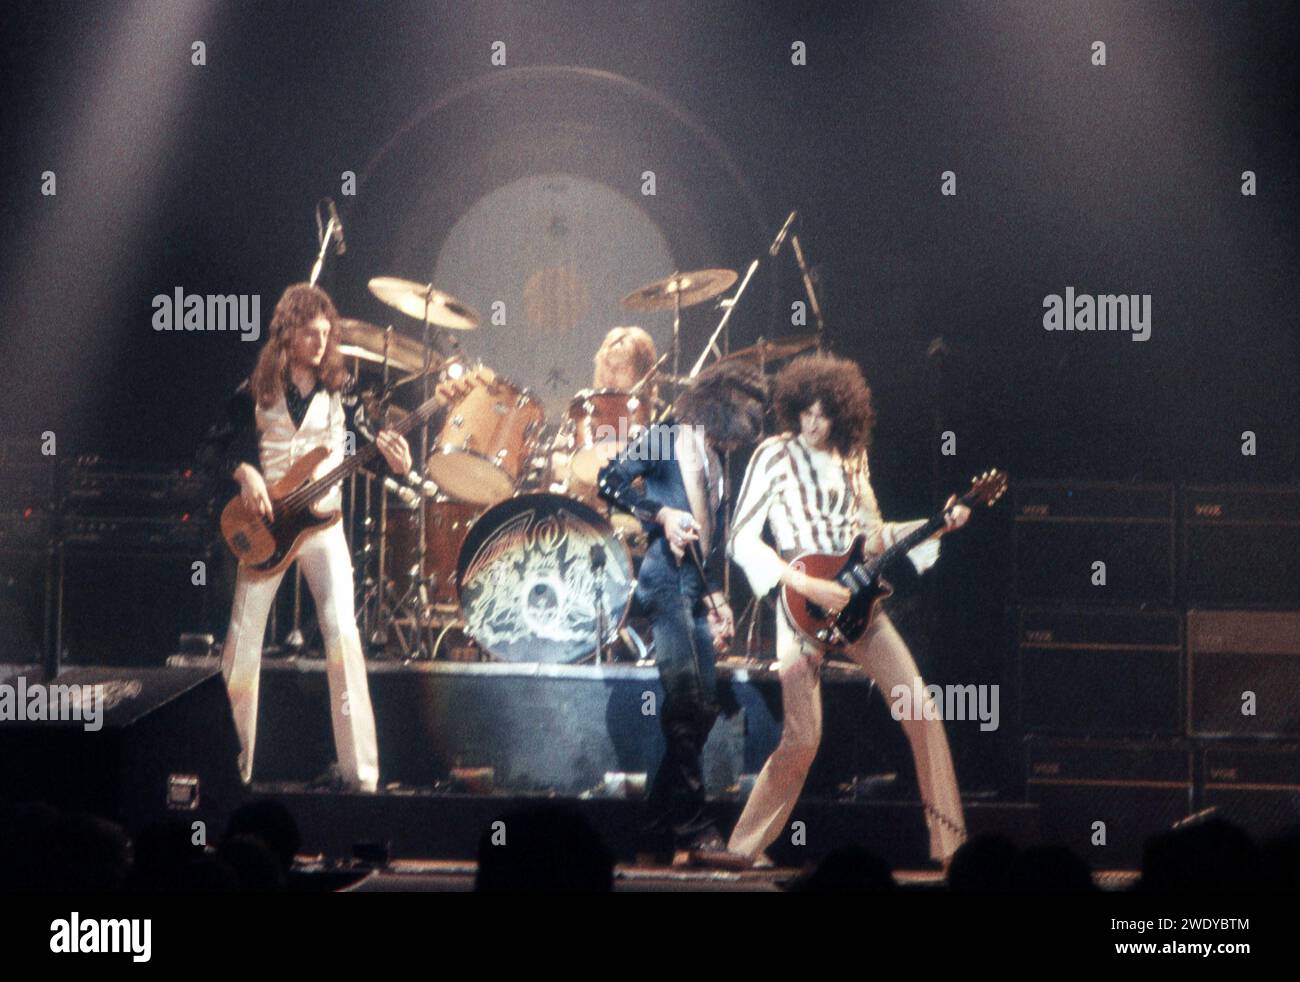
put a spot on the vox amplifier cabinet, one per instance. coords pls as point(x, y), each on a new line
point(1105, 799)
point(1063, 530)
point(1243, 669)
point(1255, 785)
point(1241, 547)
point(1100, 672)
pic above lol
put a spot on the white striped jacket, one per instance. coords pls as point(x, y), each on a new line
point(813, 501)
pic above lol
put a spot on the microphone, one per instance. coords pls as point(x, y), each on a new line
point(340, 246)
point(779, 241)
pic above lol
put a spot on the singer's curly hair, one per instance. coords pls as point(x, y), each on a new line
point(729, 400)
point(838, 385)
point(300, 304)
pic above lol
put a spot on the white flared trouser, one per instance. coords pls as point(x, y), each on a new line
point(327, 568)
point(886, 658)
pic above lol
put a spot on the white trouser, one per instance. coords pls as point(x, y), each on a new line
point(886, 658)
point(327, 567)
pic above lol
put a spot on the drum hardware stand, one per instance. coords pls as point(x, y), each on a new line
point(598, 568)
point(422, 519)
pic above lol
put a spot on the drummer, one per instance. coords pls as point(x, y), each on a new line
point(624, 358)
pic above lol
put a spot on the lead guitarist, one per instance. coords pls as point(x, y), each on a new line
point(811, 486)
point(293, 403)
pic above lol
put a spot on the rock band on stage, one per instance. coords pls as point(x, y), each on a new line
point(635, 483)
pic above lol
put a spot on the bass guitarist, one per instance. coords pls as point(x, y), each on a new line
point(292, 404)
point(811, 486)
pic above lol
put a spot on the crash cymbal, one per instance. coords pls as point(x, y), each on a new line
point(768, 351)
point(693, 287)
point(358, 339)
point(409, 297)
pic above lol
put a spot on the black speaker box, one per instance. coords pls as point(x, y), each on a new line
point(165, 747)
point(1234, 652)
point(130, 609)
point(1062, 528)
point(1241, 546)
point(1256, 786)
point(1095, 672)
point(1135, 789)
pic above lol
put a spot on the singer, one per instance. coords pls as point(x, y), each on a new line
point(682, 509)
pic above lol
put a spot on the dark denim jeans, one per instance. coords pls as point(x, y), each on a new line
point(673, 598)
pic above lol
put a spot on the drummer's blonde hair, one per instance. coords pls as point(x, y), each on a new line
point(631, 342)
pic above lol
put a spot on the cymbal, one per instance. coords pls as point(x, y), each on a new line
point(766, 351)
point(693, 287)
point(358, 339)
point(409, 297)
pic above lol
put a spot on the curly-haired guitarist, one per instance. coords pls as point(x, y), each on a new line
point(811, 486)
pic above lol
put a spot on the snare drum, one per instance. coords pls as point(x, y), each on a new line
point(487, 440)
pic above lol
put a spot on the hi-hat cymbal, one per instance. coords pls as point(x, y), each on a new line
point(409, 297)
point(693, 287)
point(358, 339)
point(769, 351)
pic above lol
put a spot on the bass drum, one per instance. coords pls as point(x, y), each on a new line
point(528, 590)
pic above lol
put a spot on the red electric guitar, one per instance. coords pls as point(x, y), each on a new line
point(861, 575)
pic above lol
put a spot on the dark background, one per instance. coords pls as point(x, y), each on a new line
point(1117, 179)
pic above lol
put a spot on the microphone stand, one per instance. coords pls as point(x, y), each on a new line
point(810, 289)
point(294, 642)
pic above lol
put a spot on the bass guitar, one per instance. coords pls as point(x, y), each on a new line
point(265, 548)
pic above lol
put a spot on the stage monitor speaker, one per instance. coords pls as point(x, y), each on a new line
point(1241, 547)
point(1105, 799)
point(1243, 673)
point(1256, 786)
point(1063, 529)
point(165, 748)
point(1093, 672)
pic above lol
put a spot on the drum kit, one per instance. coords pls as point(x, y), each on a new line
point(502, 548)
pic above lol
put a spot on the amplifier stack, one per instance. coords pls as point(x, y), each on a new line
point(97, 558)
point(1156, 623)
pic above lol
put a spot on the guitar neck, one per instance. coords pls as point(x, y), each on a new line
point(366, 454)
point(913, 539)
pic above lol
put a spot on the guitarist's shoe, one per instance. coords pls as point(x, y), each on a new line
point(329, 779)
point(721, 859)
point(712, 851)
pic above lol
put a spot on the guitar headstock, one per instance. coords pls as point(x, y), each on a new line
point(987, 488)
